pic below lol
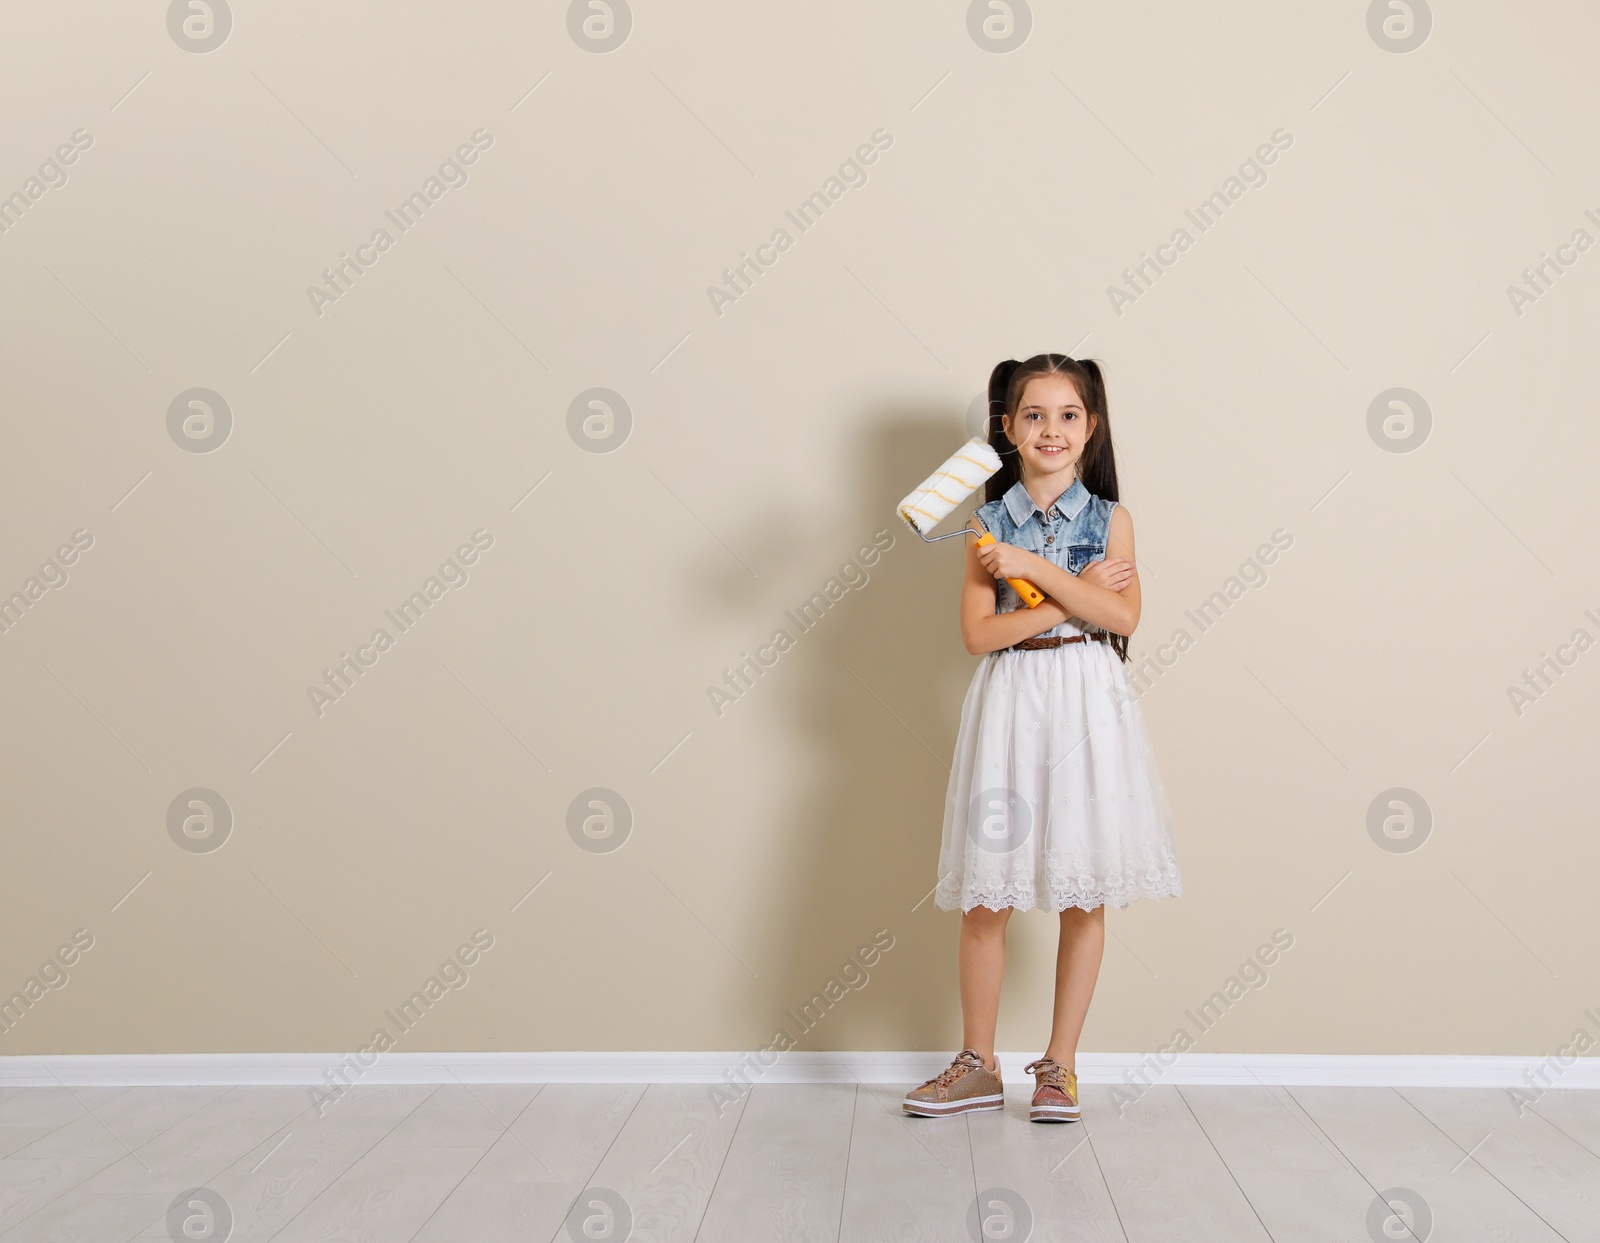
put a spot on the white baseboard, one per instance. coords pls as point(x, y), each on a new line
point(896, 1068)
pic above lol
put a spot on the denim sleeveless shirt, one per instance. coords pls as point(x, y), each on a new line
point(1071, 534)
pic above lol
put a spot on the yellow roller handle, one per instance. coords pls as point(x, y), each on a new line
point(1031, 595)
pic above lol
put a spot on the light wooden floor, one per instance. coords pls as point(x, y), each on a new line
point(476, 1164)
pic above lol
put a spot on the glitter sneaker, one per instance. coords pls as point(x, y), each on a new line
point(966, 1085)
point(1055, 1093)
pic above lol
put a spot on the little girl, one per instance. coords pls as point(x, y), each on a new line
point(1054, 798)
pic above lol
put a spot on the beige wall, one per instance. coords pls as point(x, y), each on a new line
point(769, 443)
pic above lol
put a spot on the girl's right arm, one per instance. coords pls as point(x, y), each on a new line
point(984, 630)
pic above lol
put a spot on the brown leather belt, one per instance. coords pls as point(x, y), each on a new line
point(1028, 645)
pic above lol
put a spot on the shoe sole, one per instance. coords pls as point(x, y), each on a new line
point(930, 1109)
point(1053, 1113)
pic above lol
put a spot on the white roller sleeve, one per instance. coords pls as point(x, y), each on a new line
point(948, 486)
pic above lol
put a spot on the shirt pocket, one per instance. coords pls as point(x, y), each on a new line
point(1080, 555)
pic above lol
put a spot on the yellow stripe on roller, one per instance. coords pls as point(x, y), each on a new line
point(930, 492)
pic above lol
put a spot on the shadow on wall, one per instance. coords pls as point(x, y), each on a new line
point(878, 692)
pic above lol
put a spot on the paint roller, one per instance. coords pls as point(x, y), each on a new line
point(946, 488)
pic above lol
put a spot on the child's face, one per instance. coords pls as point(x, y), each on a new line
point(1050, 426)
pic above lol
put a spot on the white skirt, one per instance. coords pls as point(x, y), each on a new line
point(1054, 796)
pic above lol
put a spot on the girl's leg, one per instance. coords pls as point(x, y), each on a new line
point(1083, 940)
point(983, 963)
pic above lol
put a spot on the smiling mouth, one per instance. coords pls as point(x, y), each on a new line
point(1052, 450)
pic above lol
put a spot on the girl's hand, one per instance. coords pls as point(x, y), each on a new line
point(1008, 561)
point(1114, 573)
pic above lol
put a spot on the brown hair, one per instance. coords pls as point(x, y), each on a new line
point(1097, 466)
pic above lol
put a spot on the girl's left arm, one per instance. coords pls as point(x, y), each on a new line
point(1116, 611)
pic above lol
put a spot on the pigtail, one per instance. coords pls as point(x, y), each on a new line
point(999, 395)
point(1098, 469)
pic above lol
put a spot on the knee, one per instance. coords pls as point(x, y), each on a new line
point(982, 921)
